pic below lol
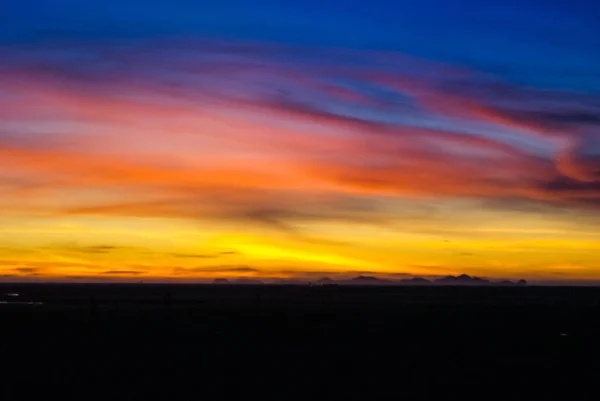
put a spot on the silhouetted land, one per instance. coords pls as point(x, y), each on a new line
point(127, 342)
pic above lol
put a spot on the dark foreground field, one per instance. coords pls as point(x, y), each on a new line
point(299, 343)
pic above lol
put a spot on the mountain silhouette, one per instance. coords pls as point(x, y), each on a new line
point(365, 278)
point(362, 280)
point(463, 279)
point(416, 281)
point(368, 280)
point(520, 283)
point(248, 281)
point(288, 281)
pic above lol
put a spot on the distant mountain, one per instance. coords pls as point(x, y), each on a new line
point(415, 281)
point(367, 280)
point(463, 279)
point(508, 283)
point(446, 280)
point(288, 281)
point(248, 281)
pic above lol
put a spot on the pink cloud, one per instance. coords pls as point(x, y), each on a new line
point(194, 129)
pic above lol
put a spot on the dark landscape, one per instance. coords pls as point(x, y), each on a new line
point(190, 342)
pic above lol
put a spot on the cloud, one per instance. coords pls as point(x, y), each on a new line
point(276, 274)
point(27, 270)
point(215, 269)
point(194, 256)
point(542, 111)
point(97, 249)
point(241, 269)
point(313, 275)
point(82, 278)
point(555, 120)
point(122, 272)
point(205, 255)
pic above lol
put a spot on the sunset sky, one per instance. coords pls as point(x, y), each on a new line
point(190, 140)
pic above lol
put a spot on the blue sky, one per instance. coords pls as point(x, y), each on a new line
point(547, 43)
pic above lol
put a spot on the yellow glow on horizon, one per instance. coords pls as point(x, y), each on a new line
point(180, 248)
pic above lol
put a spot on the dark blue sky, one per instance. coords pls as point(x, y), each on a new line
point(550, 43)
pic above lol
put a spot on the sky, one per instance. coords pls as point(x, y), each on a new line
point(183, 141)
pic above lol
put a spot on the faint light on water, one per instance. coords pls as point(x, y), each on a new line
point(20, 303)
